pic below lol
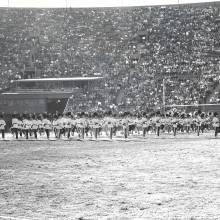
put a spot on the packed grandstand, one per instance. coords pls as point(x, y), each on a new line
point(134, 49)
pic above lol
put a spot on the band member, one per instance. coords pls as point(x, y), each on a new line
point(182, 122)
point(96, 124)
point(34, 125)
point(68, 124)
point(216, 124)
point(145, 124)
point(15, 125)
point(57, 125)
point(26, 125)
point(2, 126)
point(20, 125)
point(201, 123)
point(73, 124)
point(81, 124)
point(188, 123)
point(135, 123)
point(47, 125)
point(124, 122)
point(109, 123)
point(175, 122)
point(40, 124)
point(157, 121)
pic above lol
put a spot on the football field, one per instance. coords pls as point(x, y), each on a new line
point(152, 178)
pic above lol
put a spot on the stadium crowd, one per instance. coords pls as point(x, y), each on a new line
point(135, 49)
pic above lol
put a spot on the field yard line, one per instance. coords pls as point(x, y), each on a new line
point(15, 218)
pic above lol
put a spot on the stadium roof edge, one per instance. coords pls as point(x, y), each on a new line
point(59, 79)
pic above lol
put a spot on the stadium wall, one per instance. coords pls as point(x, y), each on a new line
point(33, 103)
point(212, 108)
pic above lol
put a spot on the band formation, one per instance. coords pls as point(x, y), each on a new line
point(108, 124)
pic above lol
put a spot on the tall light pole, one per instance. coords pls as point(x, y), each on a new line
point(164, 96)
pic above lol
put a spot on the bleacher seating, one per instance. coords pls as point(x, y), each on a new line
point(133, 48)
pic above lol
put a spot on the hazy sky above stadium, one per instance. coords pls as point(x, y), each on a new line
point(91, 3)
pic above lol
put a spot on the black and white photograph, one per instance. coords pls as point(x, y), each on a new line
point(109, 110)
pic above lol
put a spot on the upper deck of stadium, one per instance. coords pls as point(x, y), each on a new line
point(133, 48)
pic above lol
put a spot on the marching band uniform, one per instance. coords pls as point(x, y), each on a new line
point(2, 126)
point(63, 122)
point(15, 125)
point(216, 123)
point(47, 126)
point(68, 125)
point(175, 122)
point(109, 123)
point(131, 124)
point(73, 125)
point(163, 122)
point(96, 126)
point(40, 125)
point(81, 124)
point(105, 125)
point(168, 125)
point(136, 124)
point(125, 126)
point(145, 125)
point(199, 123)
point(202, 122)
point(26, 126)
point(20, 125)
point(187, 123)
point(34, 126)
point(181, 123)
point(57, 127)
point(157, 123)
point(208, 122)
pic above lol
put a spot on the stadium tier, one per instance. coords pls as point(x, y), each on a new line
point(135, 49)
point(46, 94)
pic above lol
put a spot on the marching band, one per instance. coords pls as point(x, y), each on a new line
point(106, 123)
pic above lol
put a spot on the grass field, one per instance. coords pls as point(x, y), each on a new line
point(156, 178)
